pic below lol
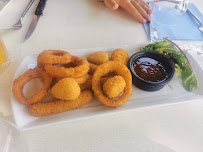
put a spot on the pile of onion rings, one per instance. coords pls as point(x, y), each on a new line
point(50, 73)
point(55, 65)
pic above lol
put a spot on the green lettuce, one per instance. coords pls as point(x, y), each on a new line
point(170, 50)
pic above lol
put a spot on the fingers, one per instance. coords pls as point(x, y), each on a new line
point(138, 8)
point(145, 6)
point(142, 2)
point(135, 12)
point(141, 10)
point(112, 4)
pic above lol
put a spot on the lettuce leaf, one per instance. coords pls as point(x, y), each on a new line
point(170, 50)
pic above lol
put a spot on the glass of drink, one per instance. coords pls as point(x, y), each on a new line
point(4, 60)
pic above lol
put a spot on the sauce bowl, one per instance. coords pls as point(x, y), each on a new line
point(145, 80)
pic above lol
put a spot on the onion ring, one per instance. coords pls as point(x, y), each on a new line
point(118, 68)
point(79, 80)
point(92, 67)
point(82, 79)
point(81, 68)
point(88, 83)
point(54, 57)
point(40, 64)
point(19, 83)
point(58, 106)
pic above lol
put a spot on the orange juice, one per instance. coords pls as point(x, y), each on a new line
point(4, 62)
point(2, 55)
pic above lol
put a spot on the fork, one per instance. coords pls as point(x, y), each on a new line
point(18, 25)
point(200, 22)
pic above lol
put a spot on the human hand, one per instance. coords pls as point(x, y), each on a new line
point(137, 8)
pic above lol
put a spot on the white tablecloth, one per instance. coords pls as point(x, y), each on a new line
point(68, 24)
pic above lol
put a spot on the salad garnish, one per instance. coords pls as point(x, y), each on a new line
point(178, 57)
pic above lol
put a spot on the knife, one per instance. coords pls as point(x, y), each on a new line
point(38, 13)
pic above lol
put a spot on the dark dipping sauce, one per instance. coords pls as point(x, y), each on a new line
point(149, 69)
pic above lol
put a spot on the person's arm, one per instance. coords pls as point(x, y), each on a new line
point(138, 8)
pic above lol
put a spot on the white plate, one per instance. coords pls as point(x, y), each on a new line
point(171, 93)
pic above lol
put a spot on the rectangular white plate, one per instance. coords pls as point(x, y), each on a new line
point(170, 94)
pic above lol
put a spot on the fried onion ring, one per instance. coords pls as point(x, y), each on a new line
point(82, 79)
point(40, 64)
point(86, 86)
point(54, 57)
point(79, 80)
point(118, 68)
point(88, 83)
point(58, 106)
point(81, 68)
point(19, 83)
point(92, 67)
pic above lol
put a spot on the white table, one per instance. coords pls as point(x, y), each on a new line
point(68, 24)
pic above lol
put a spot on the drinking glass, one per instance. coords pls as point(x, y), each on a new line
point(4, 60)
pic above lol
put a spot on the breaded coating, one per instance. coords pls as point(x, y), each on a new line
point(82, 79)
point(119, 69)
point(54, 57)
point(79, 80)
point(58, 106)
point(98, 57)
point(80, 68)
point(40, 64)
point(114, 86)
point(92, 67)
point(66, 89)
point(87, 85)
point(103, 80)
point(120, 55)
point(19, 83)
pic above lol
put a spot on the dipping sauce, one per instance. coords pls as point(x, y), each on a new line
point(149, 69)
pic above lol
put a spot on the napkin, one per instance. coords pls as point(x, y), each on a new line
point(166, 23)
